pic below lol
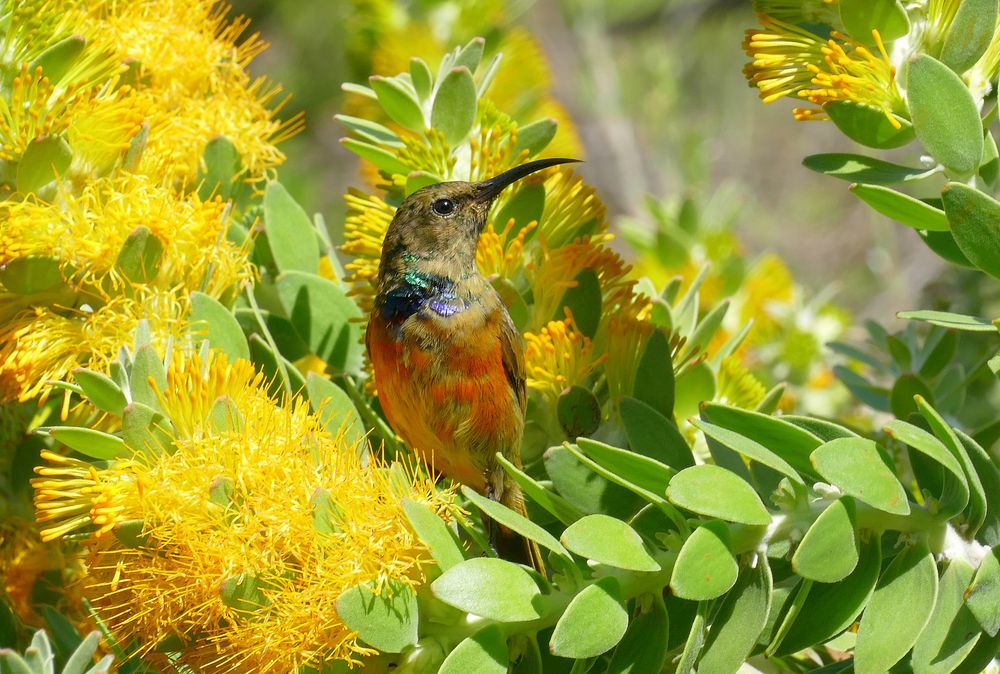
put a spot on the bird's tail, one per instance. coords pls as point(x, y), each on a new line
point(511, 545)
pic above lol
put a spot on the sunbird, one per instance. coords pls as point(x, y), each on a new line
point(447, 359)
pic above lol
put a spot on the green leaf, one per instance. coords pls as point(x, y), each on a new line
point(713, 491)
point(515, 521)
point(739, 622)
point(983, 594)
point(101, 390)
point(335, 410)
point(290, 232)
point(654, 377)
point(434, 533)
point(593, 623)
point(145, 430)
point(695, 640)
point(989, 167)
point(856, 467)
point(383, 159)
point(829, 551)
point(57, 59)
point(44, 159)
point(31, 274)
point(898, 610)
point(485, 652)
point(83, 655)
point(861, 17)
point(969, 35)
point(266, 362)
point(420, 75)
point(289, 344)
point(136, 146)
point(981, 656)
point(609, 541)
point(92, 443)
point(902, 208)
point(12, 663)
point(949, 320)
point(693, 387)
point(705, 568)
point(578, 411)
point(989, 475)
point(944, 246)
point(388, 620)
point(644, 646)
point(453, 112)
point(952, 632)
point(869, 126)
point(525, 205)
point(147, 372)
point(398, 101)
point(651, 434)
point(586, 491)
point(975, 513)
point(140, 255)
point(945, 116)
point(212, 321)
point(559, 507)
point(584, 300)
point(640, 470)
point(791, 443)
point(903, 391)
point(954, 493)
point(859, 169)
point(749, 448)
point(975, 224)
point(244, 592)
point(491, 588)
point(323, 316)
point(536, 136)
point(371, 131)
point(830, 608)
point(221, 164)
point(471, 54)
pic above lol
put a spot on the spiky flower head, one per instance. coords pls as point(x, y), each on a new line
point(235, 544)
point(790, 60)
point(558, 356)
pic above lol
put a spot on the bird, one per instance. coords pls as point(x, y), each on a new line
point(447, 360)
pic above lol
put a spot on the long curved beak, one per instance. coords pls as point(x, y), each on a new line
point(489, 189)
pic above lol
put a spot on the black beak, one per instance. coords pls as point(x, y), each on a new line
point(489, 189)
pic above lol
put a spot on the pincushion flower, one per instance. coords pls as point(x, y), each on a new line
point(236, 544)
point(558, 356)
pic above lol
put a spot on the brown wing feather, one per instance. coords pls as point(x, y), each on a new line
point(512, 355)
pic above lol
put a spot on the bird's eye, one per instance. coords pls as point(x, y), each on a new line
point(443, 206)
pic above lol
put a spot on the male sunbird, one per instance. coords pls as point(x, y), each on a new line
point(448, 361)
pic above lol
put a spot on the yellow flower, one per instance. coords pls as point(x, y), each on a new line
point(737, 386)
point(368, 218)
point(788, 60)
point(256, 493)
point(623, 337)
point(189, 62)
point(557, 357)
point(800, 11)
point(25, 562)
point(43, 343)
point(557, 269)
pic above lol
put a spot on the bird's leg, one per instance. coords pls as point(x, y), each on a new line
point(492, 530)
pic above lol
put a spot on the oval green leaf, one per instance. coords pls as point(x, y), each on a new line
point(44, 159)
point(335, 410)
point(644, 646)
point(434, 533)
point(739, 622)
point(652, 435)
point(869, 126)
point(31, 274)
point(593, 623)
point(515, 521)
point(969, 34)
point(324, 317)
point(101, 390)
point(95, 444)
point(975, 224)
point(898, 610)
point(829, 551)
point(491, 588)
point(902, 208)
point(705, 568)
point(485, 652)
point(716, 492)
point(952, 631)
point(212, 321)
point(945, 116)
point(289, 230)
point(856, 467)
point(454, 109)
point(578, 411)
point(857, 168)
point(398, 102)
point(609, 541)
point(388, 620)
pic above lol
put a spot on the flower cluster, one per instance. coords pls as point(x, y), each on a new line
point(234, 545)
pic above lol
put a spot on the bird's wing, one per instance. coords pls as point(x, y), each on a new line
point(512, 355)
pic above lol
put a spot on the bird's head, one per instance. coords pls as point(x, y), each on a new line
point(443, 221)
